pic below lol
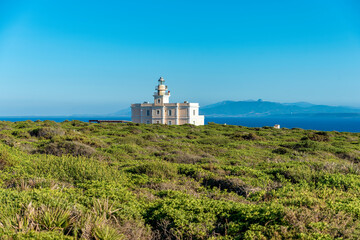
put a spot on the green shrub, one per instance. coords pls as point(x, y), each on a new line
point(5, 159)
point(47, 132)
point(318, 136)
point(67, 147)
point(310, 146)
point(281, 150)
point(159, 169)
point(21, 134)
point(251, 137)
point(231, 184)
point(183, 157)
point(214, 141)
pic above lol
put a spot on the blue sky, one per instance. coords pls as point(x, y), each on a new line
point(69, 57)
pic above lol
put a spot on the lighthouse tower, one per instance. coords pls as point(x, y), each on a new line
point(164, 112)
point(162, 94)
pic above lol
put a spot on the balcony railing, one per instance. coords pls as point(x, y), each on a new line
point(157, 88)
point(166, 93)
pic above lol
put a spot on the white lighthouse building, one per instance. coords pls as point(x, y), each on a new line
point(161, 111)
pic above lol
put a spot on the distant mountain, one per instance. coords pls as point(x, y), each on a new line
point(123, 112)
point(265, 108)
point(251, 108)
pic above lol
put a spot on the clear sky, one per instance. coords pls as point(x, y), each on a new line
point(64, 57)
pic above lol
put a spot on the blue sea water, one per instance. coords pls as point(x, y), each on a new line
point(315, 123)
point(340, 124)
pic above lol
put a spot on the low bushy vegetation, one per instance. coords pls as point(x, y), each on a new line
point(75, 180)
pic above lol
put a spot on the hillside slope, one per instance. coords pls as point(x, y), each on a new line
point(76, 180)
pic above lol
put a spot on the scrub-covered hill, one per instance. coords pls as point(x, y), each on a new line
point(75, 180)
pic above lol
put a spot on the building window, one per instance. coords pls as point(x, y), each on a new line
point(158, 100)
point(157, 112)
point(147, 112)
point(148, 122)
point(169, 122)
point(194, 111)
point(169, 112)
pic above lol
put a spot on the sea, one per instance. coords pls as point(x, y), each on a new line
point(340, 124)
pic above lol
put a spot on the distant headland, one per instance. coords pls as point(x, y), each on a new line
point(260, 108)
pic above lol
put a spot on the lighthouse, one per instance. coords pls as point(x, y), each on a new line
point(164, 112)
point(162, 94)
